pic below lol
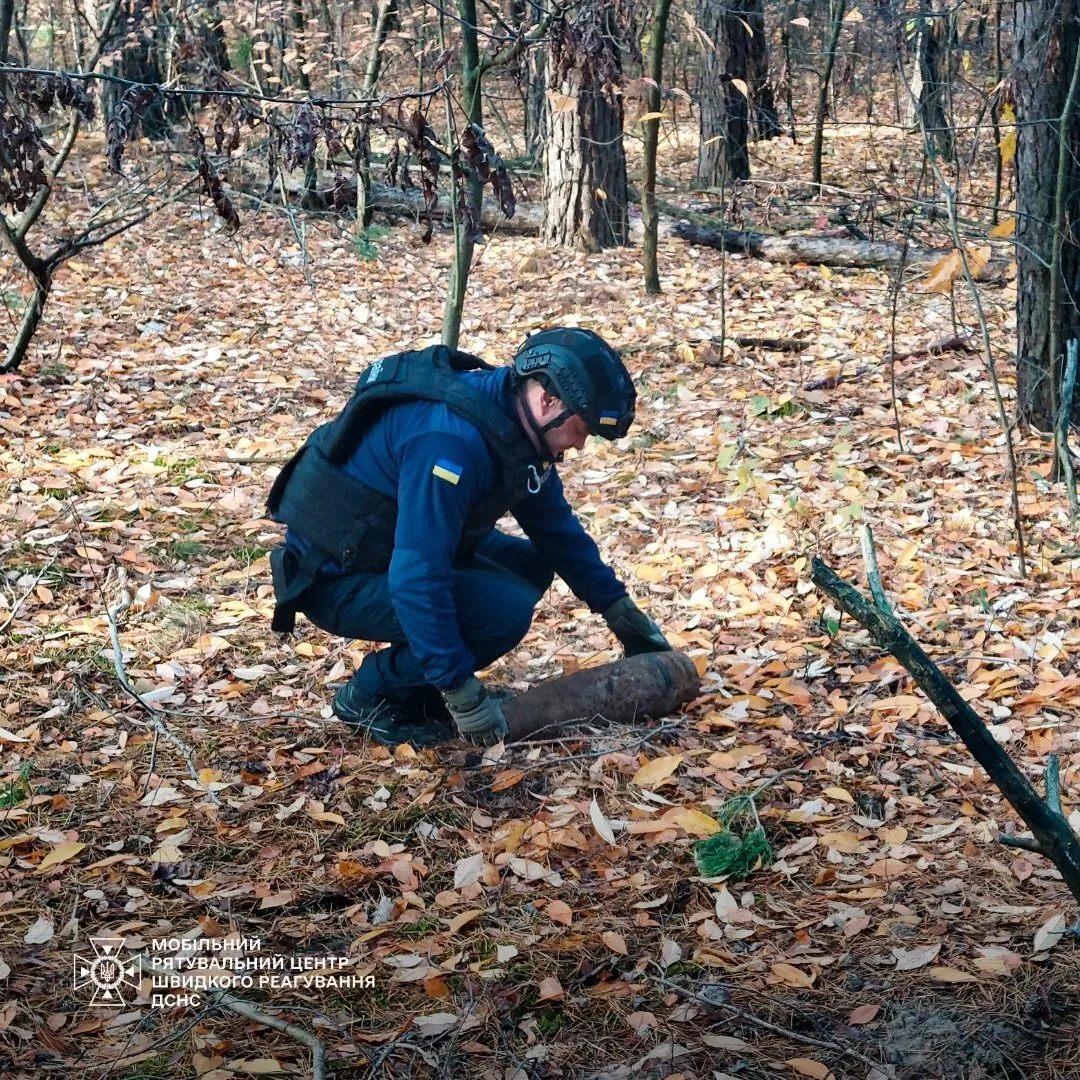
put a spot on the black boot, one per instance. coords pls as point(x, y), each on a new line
point(387, 722)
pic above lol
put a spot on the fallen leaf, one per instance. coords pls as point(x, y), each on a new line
point(550, 989)
point(10, 736)
point(258, 1067)
point(615, 942)
point(726, 1042)
point(670, 953)
point(601, 823)
point(810, 1067)
point(160, 795)
point(863, 1014)
point(792, 975)
point(559, 912)
point(911, 959)
point(656, 772)
point(1050, 933)
point(642, 1022)
point(436, 1023)
point(61, 853)
point(950, 975)
point(468, 870)
point(696, 823)
point(533, 871)
point(464, 919)
point(507, 779)
point(40, 932)
point(889, 868)
point(286, 896)
point(839, 794)
point(505, 953)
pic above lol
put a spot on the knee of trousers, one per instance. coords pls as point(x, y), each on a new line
point(510, 621)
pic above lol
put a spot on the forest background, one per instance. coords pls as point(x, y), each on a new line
point(834, 242)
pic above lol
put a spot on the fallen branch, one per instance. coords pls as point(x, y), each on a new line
point(957, 343)
point(1053, 837)
point(831, 382)
point(155, 723)
point(767, 1025)
point(773, 344)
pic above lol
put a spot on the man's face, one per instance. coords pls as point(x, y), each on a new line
point(571, 433)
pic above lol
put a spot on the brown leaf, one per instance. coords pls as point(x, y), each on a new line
point(550, 989)
point(863, 1014)
point(810, 1067)
point(559, 912)
point(792, 975)
point(615, 942)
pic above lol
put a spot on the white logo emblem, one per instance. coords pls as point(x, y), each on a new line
point(108, 972)
point(375, 372)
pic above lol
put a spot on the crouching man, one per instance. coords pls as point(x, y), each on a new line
point(391, 510)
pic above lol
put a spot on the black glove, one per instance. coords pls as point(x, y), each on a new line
point(637, 632)
point(477, 715)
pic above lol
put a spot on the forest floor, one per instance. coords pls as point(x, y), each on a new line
point(890, 935)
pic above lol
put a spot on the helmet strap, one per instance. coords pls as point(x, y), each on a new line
point(539, 430)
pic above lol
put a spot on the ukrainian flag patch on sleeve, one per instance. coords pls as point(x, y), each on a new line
point(447, 470)
point(609, 419)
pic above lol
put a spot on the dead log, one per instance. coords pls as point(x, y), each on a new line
point(623, 692)
point(824, 251)
point(1053, 836)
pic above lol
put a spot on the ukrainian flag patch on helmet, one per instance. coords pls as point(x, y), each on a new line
point(609, 419)
point(447, 470)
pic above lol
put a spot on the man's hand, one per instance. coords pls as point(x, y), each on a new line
point(477, 715)
point(634, 629)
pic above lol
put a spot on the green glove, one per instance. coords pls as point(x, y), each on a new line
point(477, 715)
point(634, 629)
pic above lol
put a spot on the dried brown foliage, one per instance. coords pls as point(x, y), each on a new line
point(123, 121)
point(212, 183)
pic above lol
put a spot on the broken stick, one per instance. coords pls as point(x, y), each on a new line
point(1053, 836)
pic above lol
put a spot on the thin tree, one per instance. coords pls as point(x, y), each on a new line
point(836, 24)
point(650, 218)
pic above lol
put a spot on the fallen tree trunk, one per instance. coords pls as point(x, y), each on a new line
point(681, 224)
point(823, 251)
point(623, 692)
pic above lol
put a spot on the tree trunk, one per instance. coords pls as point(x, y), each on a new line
point(298, 22)
point(836, 26)
point(1047, 317)
point(35, 308)
point(535, 96)
point(764, 117)
point(474, 114)
point(933, 59)
point(139, 62)
point(585, 185)
point(657, 38)
point(7, 14)
point(724, 124)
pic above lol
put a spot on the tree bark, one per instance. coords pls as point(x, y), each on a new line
point(7, 14)
point(652, 684)
point(724, 123)
point(140, 63)
point(1047, 316)
point(933, 59)
point(650, 217)
point(586, 193)
point(765, 121)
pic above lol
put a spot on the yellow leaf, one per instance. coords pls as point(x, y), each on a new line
point(209, 776)
point(464, 919)
point(601, 194)
point(654, 773)
point(950, 975)
point(825, 272)
point(684, 352)
point(792, 975)
point(839, 794)
point(1007, 147)
point(1004, 229)
point(944, 272)
point(653, 116)
point(715, 138)
point(559, 912)
point(854, 15)
point(329, 816)
point(741, 87)
point(810, 1067)
point(61, 853)
point(977, 259)
point(697, 823)
point(649, 572)
point(14, 841)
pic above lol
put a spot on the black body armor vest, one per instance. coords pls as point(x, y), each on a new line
point(353, 524)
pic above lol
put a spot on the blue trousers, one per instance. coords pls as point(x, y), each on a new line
point(495, 595)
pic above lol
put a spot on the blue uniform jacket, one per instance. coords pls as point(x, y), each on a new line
point(437, 466)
